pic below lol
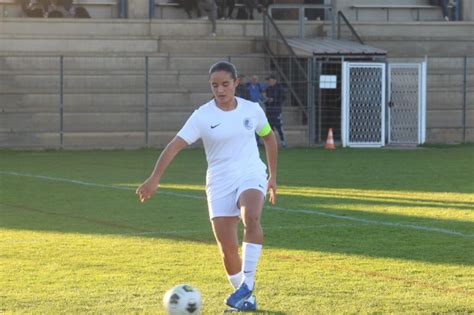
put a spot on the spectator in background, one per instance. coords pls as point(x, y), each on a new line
point(225, 8)
point(249, 7)
point(190, 6)
point(230, 8)
point(221, 6)
point(32, 8)
point(52, 9)
point(241, 90)
point(210, 7)
point(444, 7)
point(275, 97)
point(256, 90)
point(81, 13)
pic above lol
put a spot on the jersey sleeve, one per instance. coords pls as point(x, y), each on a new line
point(263, 127)
point(190, 131)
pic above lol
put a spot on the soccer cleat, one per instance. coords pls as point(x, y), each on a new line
point(250, 305)
point(237, 299)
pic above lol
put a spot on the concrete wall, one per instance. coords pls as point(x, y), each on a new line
point(468, 10)
point(104, 76)
point(138, 9)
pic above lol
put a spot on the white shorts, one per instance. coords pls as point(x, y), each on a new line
point(227, 206)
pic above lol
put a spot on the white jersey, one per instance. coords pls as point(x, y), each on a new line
point(229, 142)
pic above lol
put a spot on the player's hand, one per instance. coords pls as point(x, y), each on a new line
point(272, 190)
point(147, 189)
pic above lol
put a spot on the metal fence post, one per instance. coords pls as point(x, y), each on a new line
point(61, 102)
point(301, 21)
point(146, 101)
point(310, 100)
point(464, 105)
point(317, 83)
point(151, 9)
point(122, 9)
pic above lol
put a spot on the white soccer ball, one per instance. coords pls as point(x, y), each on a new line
point(182, 299)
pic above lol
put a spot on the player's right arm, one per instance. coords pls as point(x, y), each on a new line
point(150, 185)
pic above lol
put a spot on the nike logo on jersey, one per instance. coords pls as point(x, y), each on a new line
point(260, 186)
point(214, 126)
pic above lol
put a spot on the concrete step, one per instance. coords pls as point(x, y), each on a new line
point(392, 2)
point(111, 140)
point(97, 102)
point(398, 15)
point(77, 45)
point(447, 98)
point(195, 82)
point(449, 80)
point(29, 140)
point(30, 122)
point(105, 121)
point(128, 28)
point(75, 27)
point(420, 47)
point(83, 64)
point(215, 45)
point(221, 45)
point(414, 30)
point(72, 83)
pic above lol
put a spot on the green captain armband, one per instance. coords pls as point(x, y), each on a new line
point(265, 130)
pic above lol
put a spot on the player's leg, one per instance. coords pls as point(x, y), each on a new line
point(224, 216)
point(225, 232)
point(251, 203)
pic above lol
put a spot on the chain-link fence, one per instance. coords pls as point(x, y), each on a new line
point(135, 101)
point(317, 84)
point(96, 101)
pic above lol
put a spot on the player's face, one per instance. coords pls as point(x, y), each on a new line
point(223, 86)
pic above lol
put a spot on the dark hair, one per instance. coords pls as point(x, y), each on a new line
point(224, 66)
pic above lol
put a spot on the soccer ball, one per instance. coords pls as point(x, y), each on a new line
point(182, 299)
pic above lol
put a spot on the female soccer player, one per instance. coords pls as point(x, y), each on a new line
point(236, 181)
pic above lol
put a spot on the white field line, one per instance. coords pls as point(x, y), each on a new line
point(265, 228)
point(289, 210)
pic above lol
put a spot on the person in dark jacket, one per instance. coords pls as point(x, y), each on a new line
point(275, 98)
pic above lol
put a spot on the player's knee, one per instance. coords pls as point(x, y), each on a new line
point(251, 221)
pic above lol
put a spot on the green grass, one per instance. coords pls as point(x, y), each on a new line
point(362, 230)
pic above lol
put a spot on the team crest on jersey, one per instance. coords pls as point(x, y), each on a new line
point(248, 123)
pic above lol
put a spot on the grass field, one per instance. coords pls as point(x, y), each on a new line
point(353, 231)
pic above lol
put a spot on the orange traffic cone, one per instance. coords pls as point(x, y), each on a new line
point(330, 141)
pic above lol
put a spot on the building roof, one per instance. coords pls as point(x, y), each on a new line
point(332, 47)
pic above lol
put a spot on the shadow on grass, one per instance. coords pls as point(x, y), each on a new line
point(43, 205)
point(347, 231)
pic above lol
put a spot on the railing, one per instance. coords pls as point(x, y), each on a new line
point(341, 16)
point(302, 10)
point(291, 69)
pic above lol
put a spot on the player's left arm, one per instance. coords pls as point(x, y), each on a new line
point(271, 149)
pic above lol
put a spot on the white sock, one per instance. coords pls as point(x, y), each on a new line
point(235, 280)
point(250, 255)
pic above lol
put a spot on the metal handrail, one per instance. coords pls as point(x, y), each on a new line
point(349, 25)
point(301, 16)
point(268, 20)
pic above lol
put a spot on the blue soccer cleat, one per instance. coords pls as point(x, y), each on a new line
point(249, 305)
point(237, 299)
